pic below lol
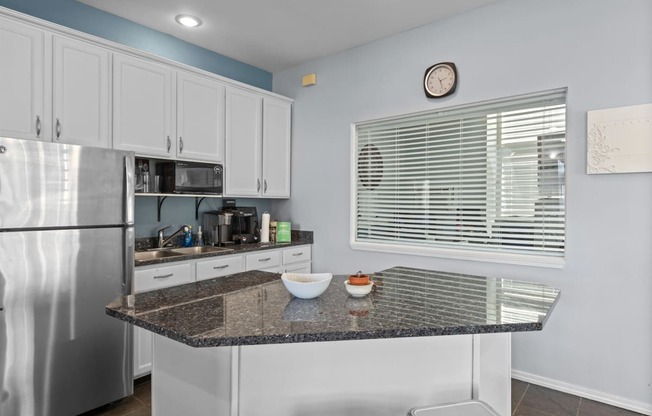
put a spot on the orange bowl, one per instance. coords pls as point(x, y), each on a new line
point(358, 279)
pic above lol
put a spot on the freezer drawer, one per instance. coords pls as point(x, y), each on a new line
point(60, 354)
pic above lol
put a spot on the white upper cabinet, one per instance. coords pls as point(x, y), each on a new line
point(277, 116)
point(243, 157)
point(258, 132)
point(142, 107)
point(21, 81)
point(200, 118)
point(81, 95)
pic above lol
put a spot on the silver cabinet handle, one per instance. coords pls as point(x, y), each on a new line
point(264, 185)
point(258, 185)
point(221, 267)
point(265, 259)
point(297, 254)
point(2, 149)
point(169, 144)
point(38, 127)
point(164, 276)
point(58, 129)
point(180, 144)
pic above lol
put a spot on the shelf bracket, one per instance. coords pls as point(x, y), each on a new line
point(160, 204)
point(198, 202)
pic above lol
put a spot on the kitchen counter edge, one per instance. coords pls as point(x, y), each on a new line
point(299, 238)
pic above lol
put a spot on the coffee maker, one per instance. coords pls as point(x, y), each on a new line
point(231, 226)
point(217, 228)
point(244, 225)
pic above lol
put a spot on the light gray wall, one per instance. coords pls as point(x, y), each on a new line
point(599, 337)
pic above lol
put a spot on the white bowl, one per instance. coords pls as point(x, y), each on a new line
point(306, 286)
point(358, 291)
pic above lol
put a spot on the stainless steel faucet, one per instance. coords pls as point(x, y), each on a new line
point(162, 241)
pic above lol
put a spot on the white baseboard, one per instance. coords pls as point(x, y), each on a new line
point(598, 396)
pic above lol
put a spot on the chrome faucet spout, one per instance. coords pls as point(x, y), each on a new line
point(162, 241)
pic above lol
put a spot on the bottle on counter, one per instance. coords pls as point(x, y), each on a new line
point(145, 176)
point(272, 231)
point(187, 237)
point(200, 237)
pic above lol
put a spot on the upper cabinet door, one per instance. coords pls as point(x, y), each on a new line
point(200, 118)
point(142, 107)
point(81, 98)
point(21, 81)
point(242, 164)
point(277, 115)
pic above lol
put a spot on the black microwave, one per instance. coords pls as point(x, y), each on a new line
point(180, 177)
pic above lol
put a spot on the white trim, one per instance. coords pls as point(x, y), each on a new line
point(459, 254)
point(54, 28)
point(598, 396)
point(235, 380)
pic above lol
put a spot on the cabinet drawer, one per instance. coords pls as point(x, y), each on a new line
point(219, 267)
point(296, 255)
point(160, 277)
point(299, 268)
point(263, 260)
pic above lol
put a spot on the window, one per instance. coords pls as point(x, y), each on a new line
point(483, 181)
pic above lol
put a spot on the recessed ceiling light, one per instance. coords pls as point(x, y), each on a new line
point(188, 20)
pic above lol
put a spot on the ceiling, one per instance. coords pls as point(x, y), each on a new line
point(278, 34)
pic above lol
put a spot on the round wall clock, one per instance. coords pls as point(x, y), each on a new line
point(440, 80)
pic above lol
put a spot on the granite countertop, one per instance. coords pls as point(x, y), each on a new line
point(254, 307)
point(298, 238)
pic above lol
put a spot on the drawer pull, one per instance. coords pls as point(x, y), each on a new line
point(265, 259)
point(221, 267)
point(164, 276)
point(297, 254)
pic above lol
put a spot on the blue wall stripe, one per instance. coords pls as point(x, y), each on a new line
point(79, 16)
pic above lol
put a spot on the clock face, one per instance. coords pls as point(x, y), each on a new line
point(440, 80)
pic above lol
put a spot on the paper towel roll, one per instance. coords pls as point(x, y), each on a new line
point(264, 228)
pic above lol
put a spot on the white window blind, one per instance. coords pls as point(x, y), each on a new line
point(486, 177)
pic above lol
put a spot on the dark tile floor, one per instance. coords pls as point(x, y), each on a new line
point(527, 400)
point(532, 400)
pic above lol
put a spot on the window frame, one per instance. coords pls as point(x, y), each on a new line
point(525, 259)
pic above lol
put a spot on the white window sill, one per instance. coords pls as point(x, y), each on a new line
point(460, 254)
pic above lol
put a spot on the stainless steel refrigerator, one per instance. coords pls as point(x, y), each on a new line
point(66, 250)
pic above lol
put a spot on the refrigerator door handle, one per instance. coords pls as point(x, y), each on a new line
point(128, 267)
point(129, 190)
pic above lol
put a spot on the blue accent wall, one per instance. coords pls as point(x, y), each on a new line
point(79, 16)
point(178, 211)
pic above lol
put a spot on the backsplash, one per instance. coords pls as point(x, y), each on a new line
point(178, 211)
point(145, 243)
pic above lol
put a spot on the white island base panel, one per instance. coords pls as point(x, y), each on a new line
point(381, 377)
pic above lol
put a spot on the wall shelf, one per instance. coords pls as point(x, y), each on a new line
point(199, 198)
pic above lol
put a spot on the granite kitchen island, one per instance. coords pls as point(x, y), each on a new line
point(241, 345)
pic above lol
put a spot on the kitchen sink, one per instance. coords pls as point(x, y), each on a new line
point(160, 253)
point(155, 254)
point(200, 250)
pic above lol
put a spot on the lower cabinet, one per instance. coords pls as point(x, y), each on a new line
point(296, 259)
point(220, 266)
point(152, 278)
point(288, 260)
